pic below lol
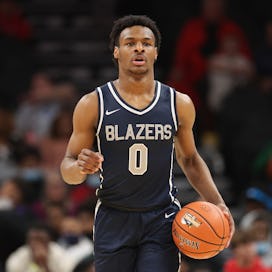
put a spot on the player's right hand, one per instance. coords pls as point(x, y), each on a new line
point(89, 161)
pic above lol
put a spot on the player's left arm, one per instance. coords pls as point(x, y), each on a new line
point(189, 159)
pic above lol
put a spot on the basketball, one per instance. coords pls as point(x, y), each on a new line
point(200, 230)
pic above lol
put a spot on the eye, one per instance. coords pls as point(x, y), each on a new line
point(130, 44)
point(146, 44)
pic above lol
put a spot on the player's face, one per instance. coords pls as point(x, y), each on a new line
point(137, 51)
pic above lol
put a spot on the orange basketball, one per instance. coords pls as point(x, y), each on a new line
point(200, 230)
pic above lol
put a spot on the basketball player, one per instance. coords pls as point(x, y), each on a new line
point(136, 123)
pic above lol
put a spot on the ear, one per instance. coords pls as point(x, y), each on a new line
point(116, 52)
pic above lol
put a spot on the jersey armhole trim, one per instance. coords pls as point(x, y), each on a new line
point(101, 110)
point(173, 108)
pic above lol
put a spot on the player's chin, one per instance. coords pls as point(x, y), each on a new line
point(139, 70)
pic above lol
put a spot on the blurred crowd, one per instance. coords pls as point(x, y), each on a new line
point(36, 206)
point(46, 225)
point(230, 82)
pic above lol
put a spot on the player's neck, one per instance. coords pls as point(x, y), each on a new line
point(135, 94)
point(135, 85)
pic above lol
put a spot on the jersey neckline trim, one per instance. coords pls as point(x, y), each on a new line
point(121, 102)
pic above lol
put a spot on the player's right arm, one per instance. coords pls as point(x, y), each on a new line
point(79, 159)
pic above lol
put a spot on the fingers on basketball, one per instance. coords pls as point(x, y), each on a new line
point(200, 230)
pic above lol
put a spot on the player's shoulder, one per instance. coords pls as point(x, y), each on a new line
point(91, 98)
point(87, 101)
point(184, 104)
point(183, 98)
point(88, 98)
point(180, 96)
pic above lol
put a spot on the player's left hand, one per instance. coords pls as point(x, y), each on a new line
point(228, 215)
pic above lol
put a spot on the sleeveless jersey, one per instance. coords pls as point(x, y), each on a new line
point(138, 147)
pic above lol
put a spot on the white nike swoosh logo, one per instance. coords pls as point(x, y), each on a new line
point(111, 112)
point(168, 215)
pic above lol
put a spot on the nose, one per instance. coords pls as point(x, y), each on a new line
point(139, 47)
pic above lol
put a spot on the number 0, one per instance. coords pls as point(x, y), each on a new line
point(137, 162)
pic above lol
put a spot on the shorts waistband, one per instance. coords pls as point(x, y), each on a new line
point(129, 209)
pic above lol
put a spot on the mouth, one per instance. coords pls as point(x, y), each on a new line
point(139, 60)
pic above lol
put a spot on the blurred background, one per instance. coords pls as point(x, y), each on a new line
point(54, 51)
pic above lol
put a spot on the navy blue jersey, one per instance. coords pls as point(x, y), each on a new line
point(138, 147)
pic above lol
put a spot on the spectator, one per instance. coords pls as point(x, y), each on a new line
point(28, 161)
point(54, 215)
point(39, 254)
point(228, 69)
point(243, 131)
point(85, 215)
point(86, 265)
point(17, 62)
point(37, 111)
point(53, 146)
point(244, 255)
point(254, 200)
point(66, 94)
point(14, 216)
point(8, 166)
point(258, 222)
point(246, 151)
point(72, 239)
point(12, 193)
point(12, 21)
point(55, 198)
point(209, 150)
point(198, 40)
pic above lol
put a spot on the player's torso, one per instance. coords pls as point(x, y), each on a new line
point(137, 146)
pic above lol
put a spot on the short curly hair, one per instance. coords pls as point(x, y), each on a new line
point(133, 20)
